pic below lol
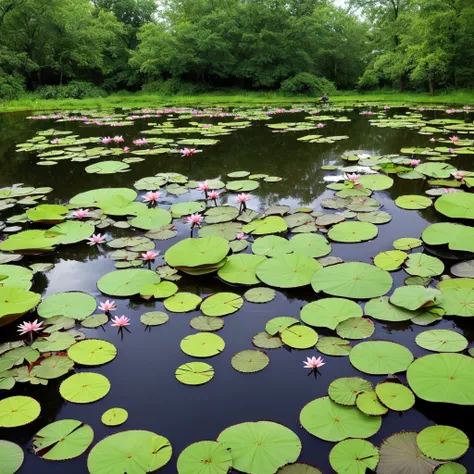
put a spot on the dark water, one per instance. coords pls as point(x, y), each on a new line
point(142, 376)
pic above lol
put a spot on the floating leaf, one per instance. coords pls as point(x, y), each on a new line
point(148, 219)
point(420, 264)
point(395, 396)
point(332, 422)
point(84, 387)
point(261, 447)
point(186, 208)
point(241, 269)
point(221, 304)
point(250, 361)
point(345, 390)
point(164, 289)
point(456, 205)
point(383, 310)
point(182, 302)
point(311, 245)
point(197, 252)
point(376, 182)
point(154, 318)
point(205, 457)
point(355, 328)
point(71, 304)
point(202, 344)
point(11, 457)
point(61, 440)
point(351, 232)
point(263, 340)
point(329, 312)
point(95, 321)
point(369, 404)
point(133, 451)
point(463, 269)
point(413, 201)
point(375, 217)
point(413, 297)
point(18, 411)
point(352, 280)
point(458, 301)
point(407, 243)
point(126, 282)
point(451, 468)
point(299, 337)
point(354, 456)
point(14, 302)
point(380, 357)
point(194, 373)
point(333, 346)
point(242, 186)
point(441, 340)
point(260, 295)
point(390, 260)
point(114, 417)
point(206, 323)
point(92, 352)
point(52, 367)
point(443, 443)
point(271, 246)
point(15, 277)
point(279, 324)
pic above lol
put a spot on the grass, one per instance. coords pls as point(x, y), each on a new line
point(140, 99)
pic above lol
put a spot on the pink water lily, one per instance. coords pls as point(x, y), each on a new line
point(152, 196)
point(386, 107)
point(353, 177)
point(126, 149)
point(29, 327)
point(242, 198)
point(120, 322)
point(96, 239)
point(149, 255)
point(240, 236)
point(55, 141)
point(432, 139)
point(105, 140)
point(194, 219)
point(466, 107)
point(451, 150)
point(450, 190)
point(188, 151)
point(459, 175)
point(415, 162)
point(204, 186)
point(118, 139)
point(81, 213)
point(320, 125)
point(454, 139)
point(140, 141)
point(108, 306)
point(213, 195)
point(313, 363)
point(421, 109)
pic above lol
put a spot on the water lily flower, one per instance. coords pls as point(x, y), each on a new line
point(140, 141)
point(415, 162)
point(96, 239)
point(188, 151)
point(149, 255)
point(204, 186)
point(454, 139)
point(30, 328)
point(126, 149)
point(386, 107)
point(451, 150)
point(213, 195)
point(240, 236)
point(421, 109)
point(242, 198)
point(353, 177)
point(432, 139)
point(459, 175)
point(81, 213)
point(55, 141)
point(450, 190)
point(313, 363)
point(120, 322)
point(320, 125)
point(106, 140)
point(466, 107)
point(194, 219)
point(151, 196)
point(206, 125)
point(118, 139)
point(108, 306)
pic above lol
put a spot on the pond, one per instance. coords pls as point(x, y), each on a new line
point(286, 159)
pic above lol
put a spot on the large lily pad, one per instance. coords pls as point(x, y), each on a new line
point(71, 232)
point(221, 304)
point(151, 219)
point(18, 411)
point(456, 205)
point(11, 457)
point(351, 232)
point(268, 225)
point(420, 264)
point(84, 387)
point(456, 236)
point(441, 340)
point(329, 312)
point(202, 344)
point(311, 245)
point(261, 447)
point(92, 352)
point(126, 282)
point(74, 305)
point(205, 457)
point(353, 456)
point(241, 269)
point(197, 252)
point(14, 302)
point(443, 443)
point(413, 297)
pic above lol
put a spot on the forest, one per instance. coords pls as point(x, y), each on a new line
point(88, 48)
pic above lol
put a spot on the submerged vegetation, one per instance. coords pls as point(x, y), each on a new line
point(175, 244)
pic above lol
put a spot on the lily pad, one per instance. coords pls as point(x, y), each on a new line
point(420, 264)
point(413, 202)
point(268, 225)
point(263, 340)
point(250, 361)
point(15, 277)
point(351, 232)
point(311, 245)
point(221, 304)
point(271, 246)
point(202, 344)
point(164, 289)
point(11, 457)
point(413, 297)
point(63, 439)
point(395, 396)
point(92, 352)
point(14, 302)
point(333, 346)
point(279, 324)
point(329, 312)
point(74, 305)
point(376, 182)
point(197, 252)
point(458, 301)
point(345, 390)
point(456, 205)
point(126, 282)
point(299, 337)
point(241, 269)
point(84, 387)
point(443, 443)
point(382, 310)
point(18, 411)
point(95, 321)
point(154, 318)
point(355, 328)
point(354, 456)
point(206, 323)
point(148, 219)
point(52, 367)
point(260, 295)
point(182, 302)
point(441, 340)
point(407, 243)
point(390, 260)
point(205, 457)
point(369, 404)
point(194, 373)
point(262, 447)
point(114, 417)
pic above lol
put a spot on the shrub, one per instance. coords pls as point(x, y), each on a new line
point(174, 86)
point(306, 83)
point(73, 90)
point(11, 86)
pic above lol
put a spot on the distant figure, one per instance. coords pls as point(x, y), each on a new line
point(325, 98)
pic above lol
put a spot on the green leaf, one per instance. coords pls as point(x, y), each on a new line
point(369, 404)
point(154, 318)
point(263, 340)
point(205, 457)
point(92, 352)
point(382, 310)
point(84, 387)
point(250, 361)
point(163, 289)
point(197, 252)
point(354, 456)
point(351, 232)
point(376, 182)
point(221, 304)
point(241, 269)
point(126, 282)
point(14, 302)
point(311, 245)
point(279, 324)
point(344, 391)
point(271, 246)
point(420, 264)
point(299, 337)
point(458, 301)
point(151, 219)
point(413, 202)
point(18, 411)
point(390, 260)
point(71, 304)
point(333, 346)
point(355, 328)
point(95, 321)
point(413, 297)
point(451, 468)
point(14, 276)
point(260, 295)
point(194, 373)
point(182, 302)
point(242, 186)
point(11, 457)
point(456, 205)
point(61, 440)
point(202, 344)
point(114, 417)
point(329, 312)
point(441, 340)
point(443, 443)
point(71, 232)
point(52, 367)
point(395, 396)
point(186, 208)
point(407, 243)
point(261, 447)
point(206, 323)
point(268, 225)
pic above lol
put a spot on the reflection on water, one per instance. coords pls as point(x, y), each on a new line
point(142, 376)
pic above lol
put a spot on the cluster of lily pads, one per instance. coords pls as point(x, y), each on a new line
point(275, 248)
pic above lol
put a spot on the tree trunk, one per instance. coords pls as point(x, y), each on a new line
point(61, 78)
point(431, 86)
point(402, 83)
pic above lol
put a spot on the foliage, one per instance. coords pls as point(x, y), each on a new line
point(73, 90)
point(306, 83)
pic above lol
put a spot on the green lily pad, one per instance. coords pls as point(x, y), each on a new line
point(400, 453)
point(182, 302)
point(329, 312)
point(11, 457)
point(206, 323)
point(31, 240)
point(354, 456)
point(197, 252)
point(413, 297)
point(114, 417)
point(352, 280)
point(271, 246)
point(133, 451)
point(205, 457)
point(126, 282)
point(107, 167)
point(455, 205)
point(463, 270)
point(15, 277)
point(260, 295)
point(250, 361)
point(52, 367)
point(298, 468)
point(407, 243)
point(443, 443)
point(279, 324)
point(163, 289)
point(268, 225)
point(242, 186)
point(150, 183)
point(63, 439)
point(186, 208)
point(355, 328)
point(241, 269)
point(194, 373)
point(226, 230)
point(288, 271)
point(71, 304)
point(154, 318)
point(441, 340)
point(351, 232)
point(375, 217)
point(376, 182)
point(84, 387)
point(151, 219)
point(382, 310)
point(14, 302)
point(420, 264)
point(380, 357)
point(413, 202)
point(299, 337)
point(444, 378)
point(18, 411)
point(458, 301)
point(345, 390)
point(369, 404)
point(451, 468)
point(395, 396)
point(92, 352)
point(329, 421)
point(221, 304)
point(95, 321)
point(311, 245)
point(261, 447)
point(47, 213)
point(220, 214)
point(263, 340)
point(333, 346)
point(202, 344)
point(390, 260)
